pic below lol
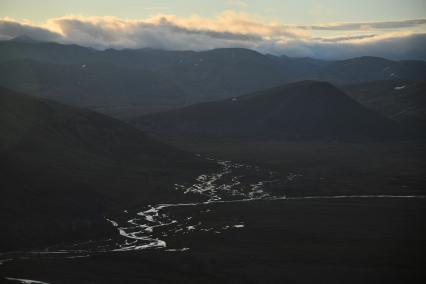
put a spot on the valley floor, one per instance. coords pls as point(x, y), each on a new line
point(329, 168)
point(283, 212)
point(357, 240)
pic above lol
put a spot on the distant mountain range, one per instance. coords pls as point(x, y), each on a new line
point(63, 168)
point(173, 78)
point(303, 110)
point(95, 84)
point(365, 69)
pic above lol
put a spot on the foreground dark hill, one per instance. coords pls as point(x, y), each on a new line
point(62, 167)
point(304, 110)
point(401, 100)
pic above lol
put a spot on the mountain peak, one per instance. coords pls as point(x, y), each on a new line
point(301, 110)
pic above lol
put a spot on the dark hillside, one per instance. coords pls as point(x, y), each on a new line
point(63, 166)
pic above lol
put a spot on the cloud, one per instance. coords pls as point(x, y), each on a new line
point(394, 39)
point(10, 28)
point(234, 22)
point(367, 25)
point(163, 31)
point(345, 38)
point(397, 48)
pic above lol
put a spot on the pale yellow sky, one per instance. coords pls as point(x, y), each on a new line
point(285, 11)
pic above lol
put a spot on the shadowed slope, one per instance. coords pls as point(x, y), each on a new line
point(65, 168)
point(401, 100)
point(304, 110)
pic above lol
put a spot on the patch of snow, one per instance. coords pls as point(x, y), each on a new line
point(178, 250)
point(115, 224)
point(400, 88)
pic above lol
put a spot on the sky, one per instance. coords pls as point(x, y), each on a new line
point(329, 29)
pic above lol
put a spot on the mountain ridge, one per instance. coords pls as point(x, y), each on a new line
point(197, 76)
